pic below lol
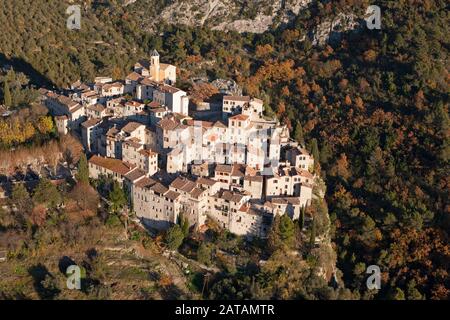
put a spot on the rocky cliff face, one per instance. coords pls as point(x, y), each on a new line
point(254, 16)
point(243, 16)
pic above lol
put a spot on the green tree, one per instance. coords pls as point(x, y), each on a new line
point(274, 240)
point(301, 219)
point(47, 193)
point(315, 153)
point(174, 237)
point(298, 133)
point(287, 229)
point(117, 197)
point(21, 198)
point(325, 153)
point(397, 294)
point(442, 123)
point(204, 254)
point(7, 100)
point(83, 170)
point(184, 224)
point(412, 292)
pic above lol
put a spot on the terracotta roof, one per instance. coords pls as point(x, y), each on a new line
point(154, 104)
point(134, 104)
point(66, 101)
point(168, 124)
point(196, 193)
point(87, 94)
point(148, 82)
point(237, 98)
point(114, 165)
point(135, 143)
point(76, 108)
point(145, 182)
point(159, 188)
point(172, 195)
point(134, 76)
point(112, 85)
point(168, 89)
point(239, 117)
point(224, 168)
point(245, 207)
point(131, 126)
point(238, 170)
point(178, 183)
point(148, 153)
point(206, 181)
point(286, 200)
point(156, 110)
point(112, 132)
point(229, 195)
point(134, 175)
point(90, 123)
point(204, 124)
point(96, 107)
point(188, 187)
point(306, 174)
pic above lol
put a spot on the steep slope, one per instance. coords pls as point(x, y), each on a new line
point(39, 38)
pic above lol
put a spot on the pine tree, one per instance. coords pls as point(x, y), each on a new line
point(442, 122)
point(286, 229)
point(174, 237)
point(7, 100)
point(301, 219)
point(117, 197)
point(274, 240)
point(83, 170)
point(184, 224)
point(204, 254)
point(315, 154)
point(325, 153)
point(298, 133)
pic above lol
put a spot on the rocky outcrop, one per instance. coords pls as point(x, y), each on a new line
point(256, 16)
point(233, 14)
point(332, 29)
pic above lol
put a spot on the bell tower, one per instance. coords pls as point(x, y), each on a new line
point(154, 66)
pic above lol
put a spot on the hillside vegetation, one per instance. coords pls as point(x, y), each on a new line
point(376, 102)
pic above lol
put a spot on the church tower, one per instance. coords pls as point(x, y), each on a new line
point(154, 66)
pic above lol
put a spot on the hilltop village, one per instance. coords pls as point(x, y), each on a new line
point(234, 166)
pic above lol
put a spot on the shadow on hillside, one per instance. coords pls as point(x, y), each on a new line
point(171, 292)
point(64, 263)
point(44, 283)
point(20, 65)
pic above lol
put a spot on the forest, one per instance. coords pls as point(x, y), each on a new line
point(376, 103)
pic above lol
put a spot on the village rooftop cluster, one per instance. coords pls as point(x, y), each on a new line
point(233, 165)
